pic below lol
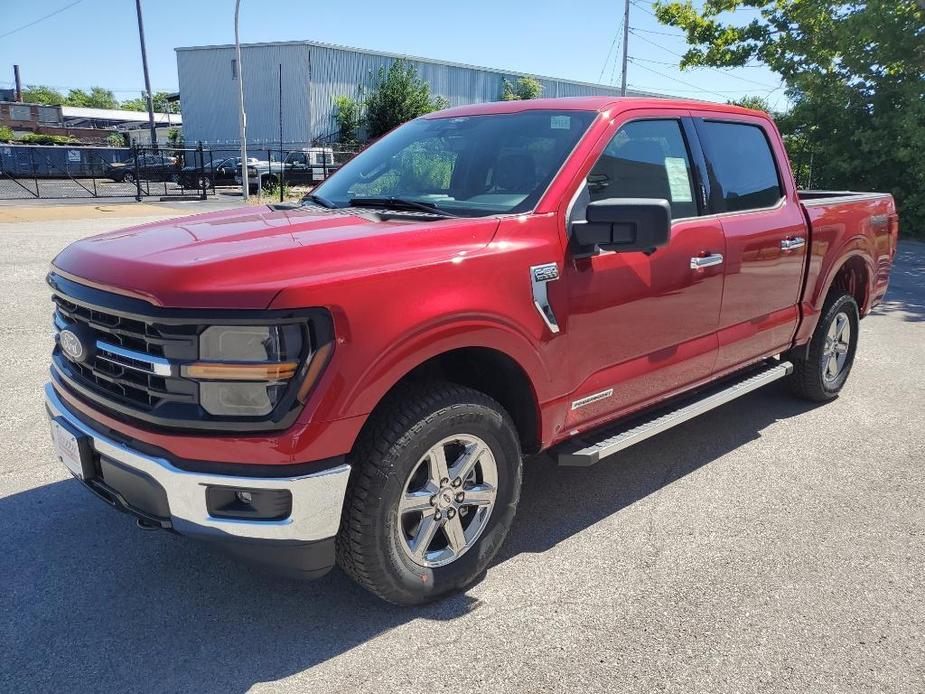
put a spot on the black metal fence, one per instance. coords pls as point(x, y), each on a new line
point(35, 171)
point(38, 171)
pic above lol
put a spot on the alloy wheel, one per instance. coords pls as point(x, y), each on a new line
point(447, 500)
point(835, 349)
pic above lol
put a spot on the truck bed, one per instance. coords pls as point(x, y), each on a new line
point(858, 224)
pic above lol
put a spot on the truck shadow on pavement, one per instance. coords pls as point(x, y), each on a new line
point(91, 602)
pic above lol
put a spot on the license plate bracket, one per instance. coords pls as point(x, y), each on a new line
point(73, 448)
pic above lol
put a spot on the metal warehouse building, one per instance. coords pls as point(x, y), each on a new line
point(313, 74)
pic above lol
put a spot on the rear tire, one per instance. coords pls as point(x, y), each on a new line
point(408, 538)
point(820, 373)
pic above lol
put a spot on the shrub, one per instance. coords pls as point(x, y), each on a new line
point(524, 88)
point(398, 95)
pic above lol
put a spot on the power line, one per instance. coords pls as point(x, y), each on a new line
point(705, 67)
point(41, 19)
point(675, 79)
point(609, 53)
point(660, 33)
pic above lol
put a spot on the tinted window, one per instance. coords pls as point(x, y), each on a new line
point(742, 164)
point(646, 159)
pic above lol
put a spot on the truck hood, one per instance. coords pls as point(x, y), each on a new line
point(243, 258)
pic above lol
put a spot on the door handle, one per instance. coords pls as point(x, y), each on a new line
point(700, 262)
point(792, 243)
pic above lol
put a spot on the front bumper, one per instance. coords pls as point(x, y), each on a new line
point(159, 493)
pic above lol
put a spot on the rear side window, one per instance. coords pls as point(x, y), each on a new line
point(742, 164)
point(646, 159)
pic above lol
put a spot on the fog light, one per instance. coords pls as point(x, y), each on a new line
point(248, 504)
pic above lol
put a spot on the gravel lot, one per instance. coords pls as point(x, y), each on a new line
point(767, 546)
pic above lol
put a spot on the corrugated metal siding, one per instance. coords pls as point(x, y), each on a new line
point(313, 75)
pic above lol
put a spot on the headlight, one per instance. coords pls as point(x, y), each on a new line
point(246, 370)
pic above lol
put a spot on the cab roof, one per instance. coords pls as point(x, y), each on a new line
point(589, 103)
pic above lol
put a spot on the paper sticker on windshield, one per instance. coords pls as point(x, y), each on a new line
point(678, 180)
point(560, 122)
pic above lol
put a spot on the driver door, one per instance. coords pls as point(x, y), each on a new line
point(644, 326)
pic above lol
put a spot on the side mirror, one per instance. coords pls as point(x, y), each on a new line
point(623, 224)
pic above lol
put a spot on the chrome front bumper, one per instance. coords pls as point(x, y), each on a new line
point(317, 499)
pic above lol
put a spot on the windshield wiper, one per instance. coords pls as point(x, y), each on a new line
point(400, 204)
point(324, 202)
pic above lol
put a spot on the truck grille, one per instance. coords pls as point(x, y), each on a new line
point(129, 357)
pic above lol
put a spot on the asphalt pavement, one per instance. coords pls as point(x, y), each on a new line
point(768, 546)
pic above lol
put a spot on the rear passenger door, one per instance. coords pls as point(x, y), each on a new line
point(765, 232)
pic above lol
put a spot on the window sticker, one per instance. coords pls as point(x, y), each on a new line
point(560, 122)
point(678, 180)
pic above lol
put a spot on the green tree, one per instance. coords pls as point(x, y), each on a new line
point(398, 95)
point(161, 104)
point(97, 97)
point(347, 117)
point(115, 140)
point(6, 134)
point(759, 103)
point(523, 88)
point(855, 75)
point(40, 94)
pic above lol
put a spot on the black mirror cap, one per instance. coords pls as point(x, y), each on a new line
point(623, 224)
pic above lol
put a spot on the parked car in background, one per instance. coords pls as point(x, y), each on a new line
point(218, 172)
point(302, 167)
point(151, 167)
point(359, 378)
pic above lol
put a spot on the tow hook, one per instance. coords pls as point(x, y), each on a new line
point(146, 524)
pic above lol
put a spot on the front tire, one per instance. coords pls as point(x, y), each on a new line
point(435, 485)
point(820, 373)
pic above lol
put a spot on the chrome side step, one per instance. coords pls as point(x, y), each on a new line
point(591, 447)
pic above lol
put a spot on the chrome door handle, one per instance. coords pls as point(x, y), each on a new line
point(700, 262)
point(792, 243)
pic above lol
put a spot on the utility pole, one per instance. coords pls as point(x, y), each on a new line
point(242, 116)
point(144, 64)
point(626, 36)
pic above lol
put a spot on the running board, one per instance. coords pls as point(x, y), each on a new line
point(591, 447)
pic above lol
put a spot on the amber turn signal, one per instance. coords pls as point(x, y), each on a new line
point(241, 372)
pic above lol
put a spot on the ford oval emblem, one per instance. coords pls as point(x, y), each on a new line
point(71, 345)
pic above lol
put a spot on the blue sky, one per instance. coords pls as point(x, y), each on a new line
point(95, 42)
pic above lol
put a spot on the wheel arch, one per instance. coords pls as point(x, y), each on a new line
point(490, 371)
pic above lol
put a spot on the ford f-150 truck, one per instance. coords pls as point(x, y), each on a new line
point(358, 379)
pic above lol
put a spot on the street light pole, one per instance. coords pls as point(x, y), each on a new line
point(242, 116)
point(144, 65)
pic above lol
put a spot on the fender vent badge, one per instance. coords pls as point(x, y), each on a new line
point(539, 276)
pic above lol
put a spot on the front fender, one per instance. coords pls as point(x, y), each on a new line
point(432, 340)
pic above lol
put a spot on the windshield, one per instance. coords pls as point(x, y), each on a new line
point(470, 165)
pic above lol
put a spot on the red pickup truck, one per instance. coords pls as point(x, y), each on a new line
point(358, 379)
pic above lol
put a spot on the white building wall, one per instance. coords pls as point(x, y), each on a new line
point(313, 75)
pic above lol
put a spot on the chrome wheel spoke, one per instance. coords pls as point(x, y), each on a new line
point(416, 502)
point(464, 464)
point(455, 535)
point(438, 468)
point(841, 348)
point(424, 536)
point(480, 495)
